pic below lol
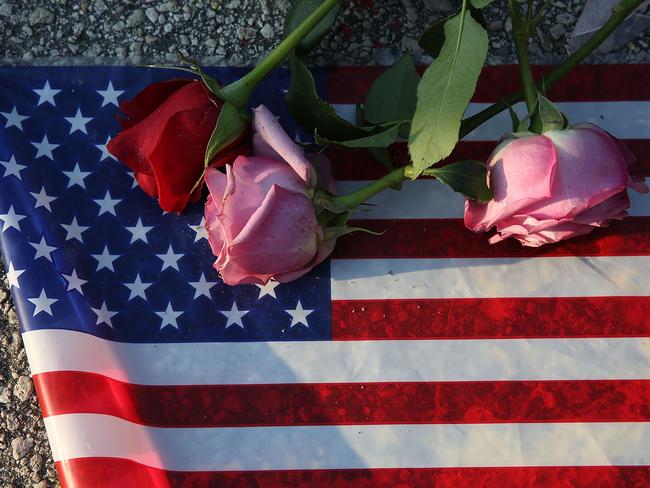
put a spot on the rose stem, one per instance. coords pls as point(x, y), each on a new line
point(239, 92)
point(619, 14)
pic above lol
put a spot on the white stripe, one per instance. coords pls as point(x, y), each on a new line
point(430, 199)
point(340, 361)
point(565, 276)
point(350, 446)
point(627, 120)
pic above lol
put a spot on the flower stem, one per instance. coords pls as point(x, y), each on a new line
point(393, 178)
point(239, 92)
point(520, 36)
point(619, 14)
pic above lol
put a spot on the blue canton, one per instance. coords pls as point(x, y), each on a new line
point(85, 249)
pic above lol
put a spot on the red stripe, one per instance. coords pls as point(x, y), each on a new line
point(358, 164)
point(584, 83)
point(347, 403)
point(448, 238)
point(491, 318)
point(122, 473)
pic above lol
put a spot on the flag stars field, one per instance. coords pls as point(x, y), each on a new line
point(169, 317)
point(42, 199)
point(105, 154)
point(110, 95)
point(78, 122)
point(46, 94)
point(202, 287)
point(299, 315)
point(43, 249)
point(170, 259)
point(74, 230)
point(104, 315)
point(139, 232)
point(137, 288)
point(42, 303)
point(11, 219)
point(13, 275)
point(44, 148)
point(77, 177)
point(234, 316)
point(268, 289)
point(105, 260)
point(12, 167)
point(107, 204)
point(14, 119)
point(74, 282)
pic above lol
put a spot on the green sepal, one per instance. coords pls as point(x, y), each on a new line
point(466, 177)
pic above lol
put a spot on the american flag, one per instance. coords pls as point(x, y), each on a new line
point(422, 357)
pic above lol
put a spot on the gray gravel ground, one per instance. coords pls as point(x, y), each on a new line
point(229, 32)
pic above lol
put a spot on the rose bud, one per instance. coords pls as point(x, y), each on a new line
point(554, 186)
point(260, 217)
point(164, 136)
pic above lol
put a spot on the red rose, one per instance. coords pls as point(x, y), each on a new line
point(164, 136)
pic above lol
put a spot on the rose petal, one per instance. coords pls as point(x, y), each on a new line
point(590, 170)
point(272, 139)
point(147, 101)
point(521, 173)
point(280, 237)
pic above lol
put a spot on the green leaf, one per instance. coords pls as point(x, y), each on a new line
point(382, 156)
point(380, 139)
point(230, 125)
point(481, 3)
point(393, 95)
point(445, 91)
point(312, 113)
point(298, 13)
point(433, 37)
point(549, 114)
point(466, 177)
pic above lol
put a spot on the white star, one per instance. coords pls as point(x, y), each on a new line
point(110, 95)
point(107, 204)
point(105, 259)
point(170, 259)
point(46, 94)
point(299, 315)
point(268, 289)
point(200, 230)
point(104, 315)
point(13, 274)
point(11, 219)
point(42, 303)
point(169, 317)
point(74, 282)
point(78, 122)
point(12, 167)
point(104, 150)
point(44, 148)
point(234, 316)
point(137, 288)
point(139, 232)
point(74, 230)
point(202, 287)
point(76, 176)
point(43, 250)
point(42, 199)
point(14, 119)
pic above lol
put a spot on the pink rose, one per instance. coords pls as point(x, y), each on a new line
point(554, 186)
point(260, 217)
